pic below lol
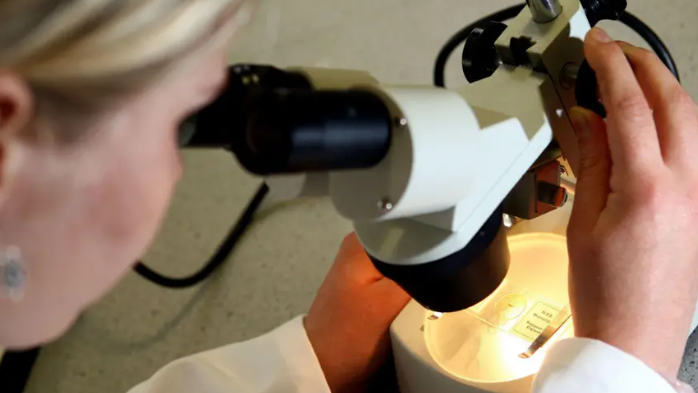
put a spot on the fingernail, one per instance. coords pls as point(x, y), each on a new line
point(581, 123)
point(599, 35)
point(627, 48)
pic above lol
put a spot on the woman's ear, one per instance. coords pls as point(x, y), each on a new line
point(16, 112)
point(16, 105)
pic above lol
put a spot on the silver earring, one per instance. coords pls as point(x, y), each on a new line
point(13, 274)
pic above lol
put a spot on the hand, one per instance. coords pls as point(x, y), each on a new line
point(348, 324)
point(632, 238)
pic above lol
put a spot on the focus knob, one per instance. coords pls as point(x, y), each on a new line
point(480, 59)
point(586, 90)
point(598, 10)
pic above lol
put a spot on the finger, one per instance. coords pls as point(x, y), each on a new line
point(593, 180)
point(674, 110)
point(632, 135)
point(391, 298)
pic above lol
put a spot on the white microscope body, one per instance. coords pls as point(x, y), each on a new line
point(454, 158)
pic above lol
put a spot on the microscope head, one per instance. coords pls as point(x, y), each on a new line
point(425, 174)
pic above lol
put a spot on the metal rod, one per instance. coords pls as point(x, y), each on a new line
point(557, 323)
point(544, 11)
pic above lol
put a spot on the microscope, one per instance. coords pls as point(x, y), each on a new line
point(460, 196)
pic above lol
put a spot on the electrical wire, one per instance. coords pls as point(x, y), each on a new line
point(627, 18)
point(656, 43)
point(218, 258)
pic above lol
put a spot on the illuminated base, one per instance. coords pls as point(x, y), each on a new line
point(477, 350)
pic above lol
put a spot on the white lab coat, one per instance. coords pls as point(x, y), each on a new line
point(283, 361)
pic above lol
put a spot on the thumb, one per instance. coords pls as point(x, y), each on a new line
point(354, 263)
point(594, 169)
point(391, 297)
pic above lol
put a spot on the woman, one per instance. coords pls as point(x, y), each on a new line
point(82, 80)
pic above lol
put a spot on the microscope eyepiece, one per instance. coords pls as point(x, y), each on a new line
point(276, 123)
point(305, 131)
point(214, 126)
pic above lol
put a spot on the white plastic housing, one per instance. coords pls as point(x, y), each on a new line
point(419, 368)
point(448, 179)
point(430, 162)
point(460, 353)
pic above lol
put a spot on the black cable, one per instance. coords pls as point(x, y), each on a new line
point(218, 258)
point(656, 43)
point(627, 18)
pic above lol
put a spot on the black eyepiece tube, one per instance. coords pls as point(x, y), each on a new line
point(305, 131)
point(213, 126)
point(275, 123)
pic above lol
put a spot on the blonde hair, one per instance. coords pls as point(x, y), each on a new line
point(87, 51)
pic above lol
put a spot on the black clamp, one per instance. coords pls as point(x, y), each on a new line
point(480, 58)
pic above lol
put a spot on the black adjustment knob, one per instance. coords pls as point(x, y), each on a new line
point(480, 59)
point(587, 84)
point(598, 10)
point(586, 90)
